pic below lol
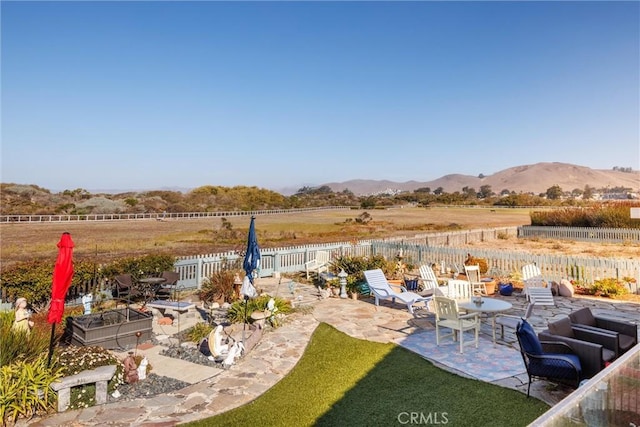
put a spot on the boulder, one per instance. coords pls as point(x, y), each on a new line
point(565, 288)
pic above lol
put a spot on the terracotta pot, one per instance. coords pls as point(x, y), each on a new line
point(354, 295)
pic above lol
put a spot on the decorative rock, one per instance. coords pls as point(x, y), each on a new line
point(565, 288)
point(165, 321)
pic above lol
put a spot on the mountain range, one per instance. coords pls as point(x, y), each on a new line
point(535, 178)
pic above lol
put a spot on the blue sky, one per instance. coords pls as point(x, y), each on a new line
point(149, 95)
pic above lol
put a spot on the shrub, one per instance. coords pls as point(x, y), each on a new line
point(609, 287)
point(16, 345)
point(220, 285)
point(199, 332)
point(471, 260)
point(355, 266)
point(236, 313)
point(25, 388)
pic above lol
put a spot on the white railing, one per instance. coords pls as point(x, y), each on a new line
point(444, 249)
point(158, 216)
point(589, 234)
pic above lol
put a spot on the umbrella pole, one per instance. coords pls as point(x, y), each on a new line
point(244, 327)
point(53, 333)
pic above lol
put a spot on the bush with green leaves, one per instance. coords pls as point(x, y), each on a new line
point(18, 345)
point(139, 267)
point(219, 285)
point(25, 388)
point(236, 313)
point(355, 266)
point(74, 359)
point(608, 287)
point(199, 332)
point(32, 279)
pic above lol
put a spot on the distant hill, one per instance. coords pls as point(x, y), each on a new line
point(536, 179)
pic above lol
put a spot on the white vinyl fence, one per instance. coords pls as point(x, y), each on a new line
point(444, 249)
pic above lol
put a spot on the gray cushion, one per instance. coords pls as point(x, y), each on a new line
point(583, 317)
point(561, 327)
point(625, 342)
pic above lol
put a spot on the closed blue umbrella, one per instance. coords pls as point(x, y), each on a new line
point(250, 264)
point(251, 258)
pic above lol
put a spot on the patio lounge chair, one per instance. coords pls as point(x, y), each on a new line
point(543, 359)
point(380, 288)
point(535, 288)
point(448, 316)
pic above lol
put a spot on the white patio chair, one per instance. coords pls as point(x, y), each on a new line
point(535, 286)
point(380, 288)
point(473, 276)
point(428, 280)
point(319, 264)
point(448, 316)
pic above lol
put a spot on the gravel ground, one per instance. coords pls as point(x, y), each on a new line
point(150, 386)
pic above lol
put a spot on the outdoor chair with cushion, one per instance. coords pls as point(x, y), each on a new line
point(554, 361)
point(448, 316)
point(589, 346)
point(380, 288)
point(626, 332)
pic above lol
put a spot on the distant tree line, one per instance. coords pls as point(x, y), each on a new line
point(34, 200)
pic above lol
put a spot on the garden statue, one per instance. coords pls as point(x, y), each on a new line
point(87, 299)
point(219, 349)
point(130, 369)
point(23, 320)
point(235, 352)
point(142, 369)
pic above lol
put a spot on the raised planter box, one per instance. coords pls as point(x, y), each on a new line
point(111, 329)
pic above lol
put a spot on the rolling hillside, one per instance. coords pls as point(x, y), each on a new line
point(536, 178)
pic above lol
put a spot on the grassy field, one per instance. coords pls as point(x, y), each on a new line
point(108, 240)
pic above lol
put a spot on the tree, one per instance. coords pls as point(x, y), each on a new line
point(554, 192)
point(469, 192)
point(587, 194)
point(485, 191)
point(438, 191)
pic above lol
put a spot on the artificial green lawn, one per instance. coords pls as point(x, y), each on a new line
point(344, 381)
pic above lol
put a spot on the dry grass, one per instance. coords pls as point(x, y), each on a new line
point(108, 240)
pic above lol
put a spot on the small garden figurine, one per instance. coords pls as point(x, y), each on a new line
point(130, 369)
point(23, 320)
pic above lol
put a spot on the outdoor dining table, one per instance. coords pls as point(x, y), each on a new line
point(491, 306)
point(149, 286)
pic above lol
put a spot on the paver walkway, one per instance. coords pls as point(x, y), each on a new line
point(213, 391)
